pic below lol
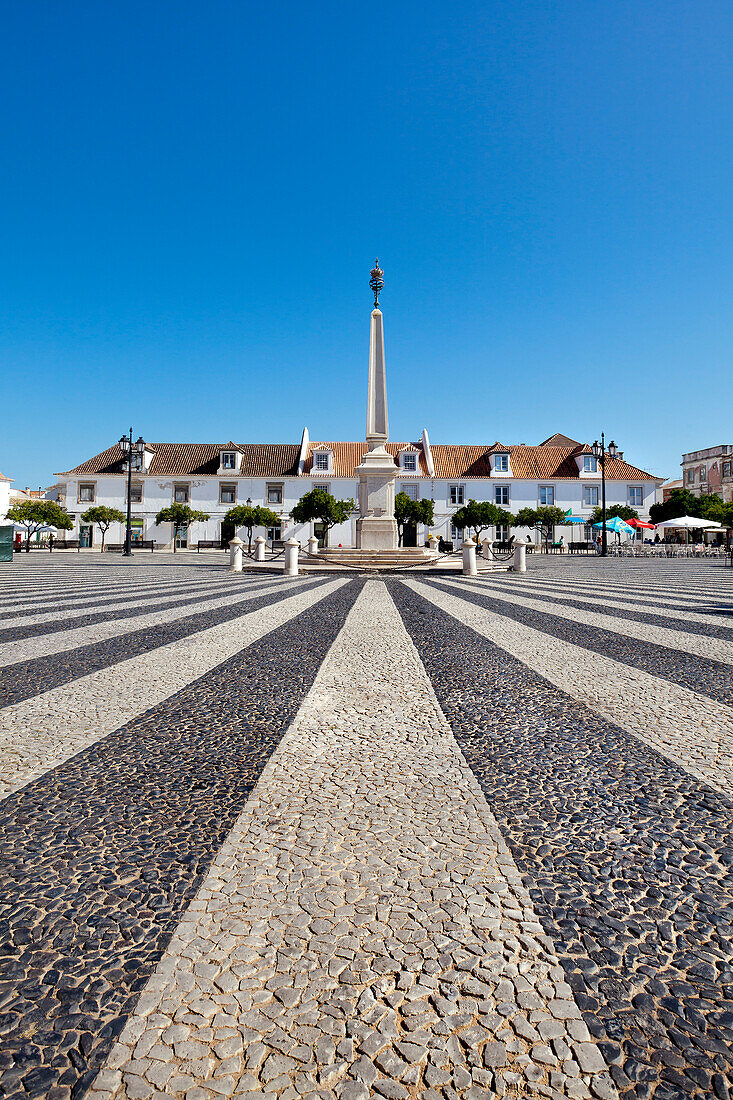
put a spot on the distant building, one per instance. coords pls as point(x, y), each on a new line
point(709, 471)
point(665, 491)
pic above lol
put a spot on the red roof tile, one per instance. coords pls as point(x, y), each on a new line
point(348, 455)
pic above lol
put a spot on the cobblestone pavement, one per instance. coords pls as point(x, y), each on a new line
point(340, 838)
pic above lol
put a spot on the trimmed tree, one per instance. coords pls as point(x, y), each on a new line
point(682, 502)
point(479, 515)
point(180, 515)
point(409, 512)
point(34, 515)
point(320, 506)
point(103, 517)
point(250, 516)
point(544, 520)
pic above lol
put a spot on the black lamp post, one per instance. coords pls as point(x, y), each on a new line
point(602, 452)
point(130, 452)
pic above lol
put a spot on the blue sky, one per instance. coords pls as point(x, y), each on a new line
point(193, 194)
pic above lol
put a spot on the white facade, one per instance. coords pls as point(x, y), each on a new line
point(205, 480)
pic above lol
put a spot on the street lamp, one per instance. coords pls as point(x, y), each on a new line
point(601, 451)
point(131, 452)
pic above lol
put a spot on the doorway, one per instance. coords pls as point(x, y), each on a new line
point(181, 539)
point(320, 530)
point(228, 531)
point(409, 535)
point(86, 536)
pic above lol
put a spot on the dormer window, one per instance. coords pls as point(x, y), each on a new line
point(590, 464)
point(228, 460)
point(409, 462)
point(501, 464)
point(321, 460)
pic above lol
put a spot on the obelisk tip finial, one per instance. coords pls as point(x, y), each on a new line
point(376, 282)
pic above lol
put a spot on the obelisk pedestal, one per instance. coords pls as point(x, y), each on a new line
point(376, 528)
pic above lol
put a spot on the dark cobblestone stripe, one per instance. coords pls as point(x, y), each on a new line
point(27, 678)
point(711, 678)
point(598, 603)
point(108, 594)
point(53, 626)
point(627, 859)
point(101, 856)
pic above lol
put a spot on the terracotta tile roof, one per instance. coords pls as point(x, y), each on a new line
point(201, 459)
point(348, 455)
point(543, 462)
point(559, 440)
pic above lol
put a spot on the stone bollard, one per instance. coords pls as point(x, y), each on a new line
point(292, 547)
point(486, 549)
point(469, 558)
point(260, 545)
point(235, 555)
point(520, 557)
point(433, 544)
point(313, 545)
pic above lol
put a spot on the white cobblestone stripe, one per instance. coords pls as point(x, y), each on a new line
point(107, 600)
point(364, 929)
point(26, 649)
point(42, 732)
point(571, 596)
point(693, 730)
point(714, 649)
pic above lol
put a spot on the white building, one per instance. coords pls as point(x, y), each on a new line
point(213, 477)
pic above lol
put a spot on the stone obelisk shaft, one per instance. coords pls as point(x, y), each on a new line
point(377, 428)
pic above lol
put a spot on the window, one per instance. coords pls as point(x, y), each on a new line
point(227, 494)
point(590, 496)
point(455, 533)
point(501, 494)
point(456, 494)
point(274, 494)
point(409, 490)
point(502, 532)
point(703, 474)
point(136, 461)
point(636, 496)
point(228, 460)
point(136, 493)
point(727, 469)
point(590, 464)
point(501, 464)
point(409, 463)
point(547, 495)
point(180, 494)
point(86, 493)
point(691, 476)
point(274, 534)
point(588, 532)
point(322, 458)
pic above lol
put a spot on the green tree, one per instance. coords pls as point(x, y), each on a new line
point(250, 516)
point(36, 514)
point(180, 515)
point(103, 517)
point(544, 519)
point(409, 512)
point(321, 506)
point(621, 510)
point(478, 515)
point(681, 502)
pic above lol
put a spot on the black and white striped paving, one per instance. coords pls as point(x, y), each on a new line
point(341, 837)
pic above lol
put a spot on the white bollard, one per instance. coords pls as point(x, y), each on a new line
point(313, 545)
point(260, 545)
point(469, 558)
point(290, 569)
point(486, 549)
point(235, 555)
point(433, 544)
point(520, 557)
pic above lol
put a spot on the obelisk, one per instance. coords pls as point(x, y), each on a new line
point(376, 528)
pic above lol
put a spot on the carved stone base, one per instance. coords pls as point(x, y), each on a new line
point(376, 533)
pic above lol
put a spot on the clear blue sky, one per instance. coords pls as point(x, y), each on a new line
point(193, 194)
